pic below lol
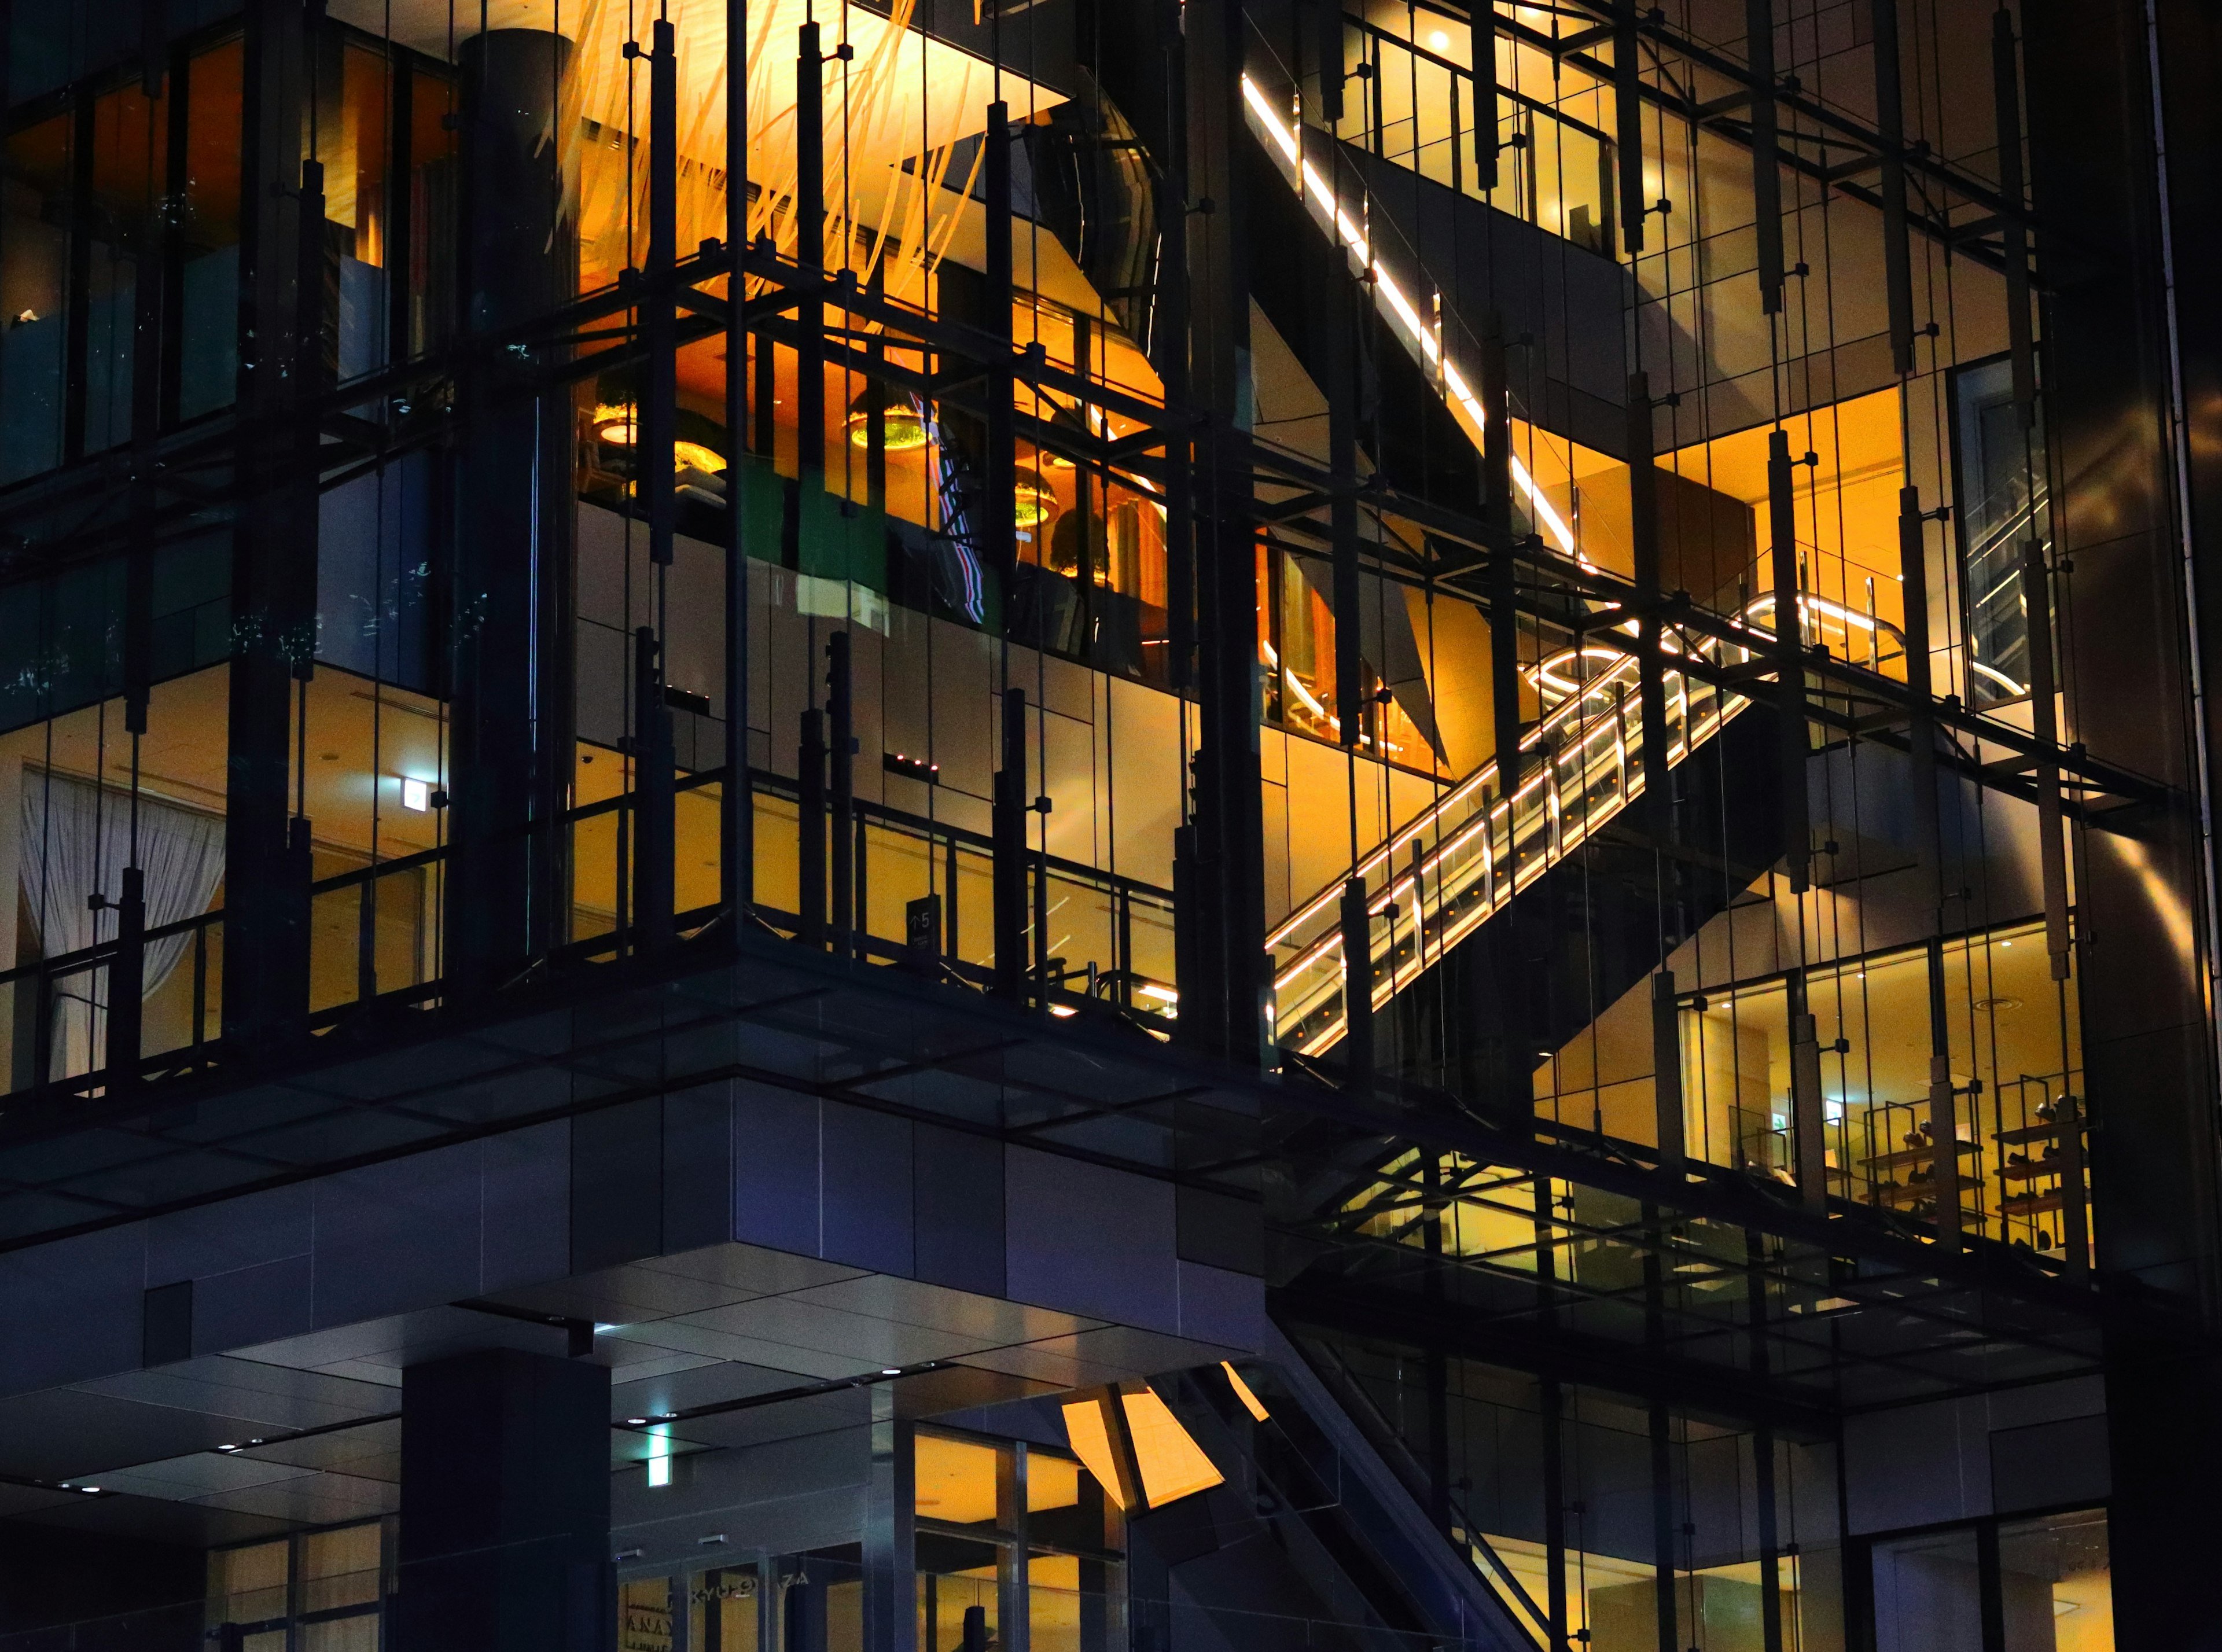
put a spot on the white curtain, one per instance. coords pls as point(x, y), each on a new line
point(77, 841)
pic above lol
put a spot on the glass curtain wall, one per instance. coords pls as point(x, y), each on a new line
point(2035, 1584)
point(1557, 1487)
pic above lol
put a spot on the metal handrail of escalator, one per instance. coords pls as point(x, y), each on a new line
point(1485, 850)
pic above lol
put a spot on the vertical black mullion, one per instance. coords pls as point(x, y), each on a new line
point(1665, 1579)
point(400, 196)
point(1987, 1574)
point(1765, 173)
point(173, 277)
point(1890, 127)
point(77, 322)
point(1762, 1451)
point(1628, 123)
point(1554, 1483)
point(2006, 90)
point(737, 798)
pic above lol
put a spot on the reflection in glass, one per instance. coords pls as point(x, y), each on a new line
point(1999, 465)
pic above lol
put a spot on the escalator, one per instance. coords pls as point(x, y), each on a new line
point(1314, 1539)
point(1476, 855)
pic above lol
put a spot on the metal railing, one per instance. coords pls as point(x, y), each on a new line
point(1439, 878)
point(373, 948)
point(1416, 109)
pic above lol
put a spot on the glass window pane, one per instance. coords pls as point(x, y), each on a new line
point(33, 286)
point(644, 1615)
point(1927, 1594)
point(358, 1633)
point(2056, 1588)
point(722, 1608)
point(340, 1569)
point(2002, 505)
point(208, 231)
point(955, 1481)
point(943, 1599)
point(248, 1586)
point(1053, 1602)
point(1051, 1483)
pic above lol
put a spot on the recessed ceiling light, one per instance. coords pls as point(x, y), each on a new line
point(891, 1371)
point(635, 1422)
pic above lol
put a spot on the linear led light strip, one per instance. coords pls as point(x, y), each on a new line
point(1465, 924)
point(1455, 389)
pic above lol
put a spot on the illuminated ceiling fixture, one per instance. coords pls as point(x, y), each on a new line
point(1032, 503)
point(1465, 405)
point(903, 428)
point(614, 423)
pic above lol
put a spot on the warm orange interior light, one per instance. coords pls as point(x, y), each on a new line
point(1172, 1464)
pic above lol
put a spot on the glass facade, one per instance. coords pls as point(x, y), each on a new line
point(1556, 599)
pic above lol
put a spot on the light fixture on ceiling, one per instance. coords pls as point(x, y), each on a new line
point(902, 427)
point(693, 455)
point(1033, 504)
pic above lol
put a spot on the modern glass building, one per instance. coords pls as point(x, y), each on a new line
point(1109, 826)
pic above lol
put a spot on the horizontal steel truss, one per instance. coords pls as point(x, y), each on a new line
point(196, 473)
point(877, 1038)
point(1825, 128)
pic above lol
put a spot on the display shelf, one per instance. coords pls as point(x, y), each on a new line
point(2034, 1132)
point(1898, 1194)
point(1914, 1156)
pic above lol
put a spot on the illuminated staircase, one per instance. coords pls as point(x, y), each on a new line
point(1443, 875)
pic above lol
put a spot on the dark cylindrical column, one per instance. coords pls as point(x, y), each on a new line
point(1357, 983)
point(810, 249)
point(510, 650)
point(999, 523)
point(127, 979)
point(1627, 123)
point(841, 794)
point(737, 802)
point(2005, 76)
point(1766, 167)
point(653, 860)
point(1890, 128)
point(274, 582)
point(1009, 824)
point(1651, 678)
point(505, 1524)
point(811, 820)
point(1789, 659)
